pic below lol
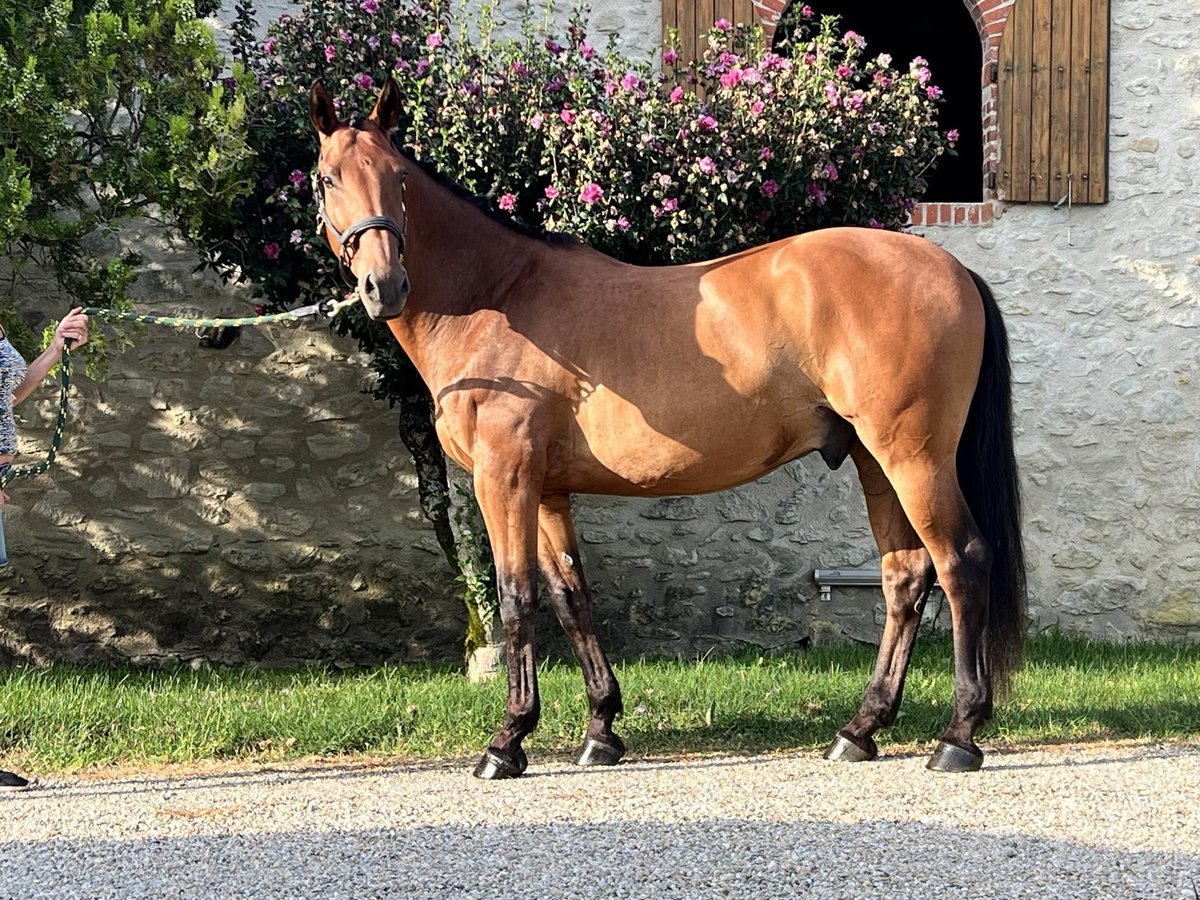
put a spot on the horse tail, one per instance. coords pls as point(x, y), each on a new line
point(987, 473)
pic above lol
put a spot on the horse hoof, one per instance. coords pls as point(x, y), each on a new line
point(846, 750)
point(497, 764)
point(597, 753)
point(953, 758)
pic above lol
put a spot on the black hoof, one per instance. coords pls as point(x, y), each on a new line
point(953, 758)
point(597, 753)
point(846, 750)
point(497, 764)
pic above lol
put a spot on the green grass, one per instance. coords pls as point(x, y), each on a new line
point(64, 718)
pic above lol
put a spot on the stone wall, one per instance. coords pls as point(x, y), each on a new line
point(252, 504)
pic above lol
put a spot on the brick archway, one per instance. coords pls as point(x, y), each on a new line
point(990, 17)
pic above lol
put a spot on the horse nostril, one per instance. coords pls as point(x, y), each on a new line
point(370, 288)
point(404, 286)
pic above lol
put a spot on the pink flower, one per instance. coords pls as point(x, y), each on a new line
point(731, 78)
point(844, 71)
point(568, 116)
point(706, 165)
point(952, 135)
point(330, 52)
point(855, 100)
point(435, 39)
point(271, 250)
point(508, 202)
point(269, 46)
point(519, 69)
point(881, 79)
point(832, 95)
point(296, 236)
point(670, 56)
point(756, 108)
point(535, 121)
point(722, 25)
point(853, 37)
point(296, 177)
point(591, 193)
point(623, 223)
point(586, 50)
point(554, 47)
point(670, 204)
point(765, 154)
point(706, 123)
point(874, 223)
point(769, 188)
point(933, 92)
point(631, 82)
point(677, 94)
point(806, 11)
point(396, 38)
point(830, 172)
point(922, 74)
point(818, 195)
point(370, 6)
point(344, 36)
point(364, 81)
point(551, 192)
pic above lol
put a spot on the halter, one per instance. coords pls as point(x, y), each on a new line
point(370, 223)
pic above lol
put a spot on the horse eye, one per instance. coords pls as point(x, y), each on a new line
point(327, 180)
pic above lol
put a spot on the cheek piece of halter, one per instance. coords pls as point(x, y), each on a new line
point(344, 238)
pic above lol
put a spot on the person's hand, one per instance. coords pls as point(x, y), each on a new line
point(3, 498)
point(74, 328)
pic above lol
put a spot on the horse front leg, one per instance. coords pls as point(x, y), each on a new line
point(507, 491)
point(558, 558)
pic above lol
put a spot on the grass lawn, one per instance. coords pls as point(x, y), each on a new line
point(64, 718)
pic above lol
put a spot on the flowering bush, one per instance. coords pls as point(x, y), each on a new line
point(741, 147)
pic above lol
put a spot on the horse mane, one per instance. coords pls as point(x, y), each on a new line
point(484, 205)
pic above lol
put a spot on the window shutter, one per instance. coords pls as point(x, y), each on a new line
point(1053, 102)
point(693, 18)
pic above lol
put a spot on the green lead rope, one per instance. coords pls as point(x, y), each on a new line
point(177, 321)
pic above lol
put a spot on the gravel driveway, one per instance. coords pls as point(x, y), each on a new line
point(1083, 821)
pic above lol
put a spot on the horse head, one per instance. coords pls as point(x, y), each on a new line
point(359, 189)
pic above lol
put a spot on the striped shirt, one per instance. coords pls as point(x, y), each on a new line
point(12, 370)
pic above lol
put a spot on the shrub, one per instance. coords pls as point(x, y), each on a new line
point(107, 111)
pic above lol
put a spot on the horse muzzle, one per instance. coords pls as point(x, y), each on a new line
point(384, 295)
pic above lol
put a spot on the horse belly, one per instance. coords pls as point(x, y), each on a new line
point(676, 448)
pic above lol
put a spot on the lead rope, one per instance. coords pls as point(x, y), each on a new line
point(328, 307)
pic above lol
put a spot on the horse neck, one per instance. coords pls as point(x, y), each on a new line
point(459, 262)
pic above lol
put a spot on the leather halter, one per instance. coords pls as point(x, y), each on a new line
point(370, 223)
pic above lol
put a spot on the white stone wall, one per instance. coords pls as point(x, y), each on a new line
point(252, 495)
point(1103, 306)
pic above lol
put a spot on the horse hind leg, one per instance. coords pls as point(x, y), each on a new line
point(908, 576)
point(558, 559)
point(928, 489)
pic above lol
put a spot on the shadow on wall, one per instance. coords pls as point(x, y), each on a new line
point(246, 504)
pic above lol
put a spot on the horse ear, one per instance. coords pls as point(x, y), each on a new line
point(321, 111)
point(386, 113)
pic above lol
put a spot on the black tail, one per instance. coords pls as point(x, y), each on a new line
point(987, 473)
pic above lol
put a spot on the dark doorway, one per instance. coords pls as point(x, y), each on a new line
point(943, 33)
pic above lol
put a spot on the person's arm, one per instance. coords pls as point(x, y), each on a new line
point(73, 327)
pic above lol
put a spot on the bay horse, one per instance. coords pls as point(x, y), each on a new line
point(558, 370)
